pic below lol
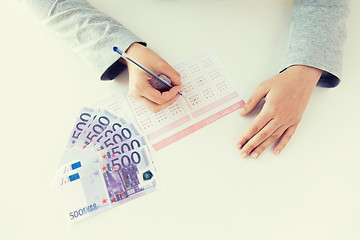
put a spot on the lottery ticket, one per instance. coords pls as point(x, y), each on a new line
point(208, 95)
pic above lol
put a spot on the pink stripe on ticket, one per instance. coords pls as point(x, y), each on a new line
point(215, 104)
point(167, 128)
point(198, 125)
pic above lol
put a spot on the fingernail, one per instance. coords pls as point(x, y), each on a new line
point(244, 155)
point(241, 111)
point(255, 155)
point(239, 146)
point(276, 152)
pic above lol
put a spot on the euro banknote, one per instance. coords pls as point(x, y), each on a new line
point(107, 161)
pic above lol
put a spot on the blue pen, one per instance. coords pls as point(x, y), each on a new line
point(128, 58)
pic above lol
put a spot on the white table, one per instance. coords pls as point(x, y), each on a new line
point(310, 191)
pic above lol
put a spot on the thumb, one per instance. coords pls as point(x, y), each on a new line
point(253, 101)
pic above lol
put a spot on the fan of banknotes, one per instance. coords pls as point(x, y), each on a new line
point(107, 162)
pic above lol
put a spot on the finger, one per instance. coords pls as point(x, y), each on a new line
point(171, 73)
point(254, 100)
point(154, 107)
point(259, 122)
point(173, 92)
point(156, 96)
point(285, 138)
point(260, 137)
point(265, 144)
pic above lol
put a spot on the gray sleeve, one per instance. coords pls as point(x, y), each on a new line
point(317, 35)
point(88, 32)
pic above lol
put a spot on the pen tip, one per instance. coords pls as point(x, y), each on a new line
point(115, 48)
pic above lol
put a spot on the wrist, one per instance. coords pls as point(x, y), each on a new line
point(308, 73)
point(134, 48)
point(131, 51)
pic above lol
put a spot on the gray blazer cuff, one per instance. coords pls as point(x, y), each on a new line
point(316, 37)
point(88, 32)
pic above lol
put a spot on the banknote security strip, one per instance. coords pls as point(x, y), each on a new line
point(107, 162)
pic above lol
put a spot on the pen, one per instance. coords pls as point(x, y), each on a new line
point(128, 58)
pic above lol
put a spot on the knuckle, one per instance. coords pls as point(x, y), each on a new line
point(273, 111)
point(274, 137)
point(285, 139)
point(157, 109)
point(161, 101)
point(250, 102)
point(261, 86)
point(264, 134)
point(156, 99)
point(137, 87)
point(241, 140)
point(260, 149)
point(296, 119)
point(163, 64)
point(178, 76)
point(154, 109)
point(132, 94)
point(254, 129)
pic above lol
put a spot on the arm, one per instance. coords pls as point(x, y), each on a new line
point(92, 35)
point(313, 57)
point(317, 35)
point(88, 32)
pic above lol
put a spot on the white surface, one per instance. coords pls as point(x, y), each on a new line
point(310, 191)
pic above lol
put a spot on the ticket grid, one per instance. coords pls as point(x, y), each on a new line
point(207, 90)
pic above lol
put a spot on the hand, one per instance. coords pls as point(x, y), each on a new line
point(286, 97)
point(139, 86)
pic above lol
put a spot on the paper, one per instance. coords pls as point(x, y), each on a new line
point(208, 96)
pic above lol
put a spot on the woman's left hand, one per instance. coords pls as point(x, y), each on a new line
point(286, 97)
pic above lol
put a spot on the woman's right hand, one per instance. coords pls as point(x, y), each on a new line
point(139, 85)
